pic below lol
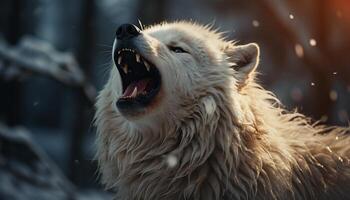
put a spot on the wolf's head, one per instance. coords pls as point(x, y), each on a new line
point(161, 70)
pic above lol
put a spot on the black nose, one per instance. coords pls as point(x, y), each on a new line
point(127, 31)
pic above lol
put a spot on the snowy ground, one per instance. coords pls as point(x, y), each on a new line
point(26, 173)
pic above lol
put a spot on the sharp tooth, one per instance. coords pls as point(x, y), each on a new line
point(119, 60)
point(125, 68)
point(138, 57)
point(147, 65)
point(119, 51)
point(134, 93)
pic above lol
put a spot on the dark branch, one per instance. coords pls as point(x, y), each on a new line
point(37, 56)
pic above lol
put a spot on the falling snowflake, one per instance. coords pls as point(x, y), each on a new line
point(299, 50)
point(312, 42)
point(335, 73)
point(348, 88)
point(171, 160)
point(35, 103)
point(312, 84)
point(329, 149)
point(256, 23)
point(291, 16)
point(333, 95)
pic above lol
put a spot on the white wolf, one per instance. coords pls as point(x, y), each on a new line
point(181, 117)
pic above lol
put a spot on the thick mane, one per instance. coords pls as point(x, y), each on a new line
point(252, 157)
point(314, 158)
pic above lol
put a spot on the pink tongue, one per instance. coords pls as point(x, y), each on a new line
point(141, 86)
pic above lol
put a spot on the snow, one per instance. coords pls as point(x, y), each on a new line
point(312, 42)
point(299, 50)
point(36, 103)
point(333, 95)
point(171, 160)
point(329, 149)
point(255, 23)
point(26, 172)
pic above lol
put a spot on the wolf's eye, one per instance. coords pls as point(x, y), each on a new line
point(177, 49)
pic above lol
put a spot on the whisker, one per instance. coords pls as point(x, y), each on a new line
point(140, 23)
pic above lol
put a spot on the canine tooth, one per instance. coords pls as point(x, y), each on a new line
point(119, 60)
point(125, 68)
point(137, 57)
point(133, 94)
point(119, 51)
point(147, 65)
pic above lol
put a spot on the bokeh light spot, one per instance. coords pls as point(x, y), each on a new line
point(256, 23)
point(299, 50)
point(313, 42)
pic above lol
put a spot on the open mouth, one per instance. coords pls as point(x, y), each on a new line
point(141, 79)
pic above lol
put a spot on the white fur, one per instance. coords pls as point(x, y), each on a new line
point(215, 133)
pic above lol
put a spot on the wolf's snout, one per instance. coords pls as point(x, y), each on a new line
point(140, 78)
point(127, 31)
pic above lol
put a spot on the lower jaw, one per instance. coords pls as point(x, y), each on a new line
point(134, 109)
point(133, 114)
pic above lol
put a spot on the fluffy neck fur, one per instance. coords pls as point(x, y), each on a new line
point(233, 146)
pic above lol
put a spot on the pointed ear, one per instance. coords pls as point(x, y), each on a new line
point(244, 59)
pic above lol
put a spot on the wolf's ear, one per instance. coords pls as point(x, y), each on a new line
point(244, 59)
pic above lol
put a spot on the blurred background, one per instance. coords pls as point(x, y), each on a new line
point(55, 55)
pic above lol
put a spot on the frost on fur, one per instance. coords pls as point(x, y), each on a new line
point(213, 132)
